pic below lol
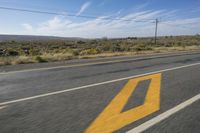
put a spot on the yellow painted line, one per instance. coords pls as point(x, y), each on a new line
point(93, 85)
point(112, 119)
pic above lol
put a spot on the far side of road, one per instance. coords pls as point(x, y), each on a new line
point(94, 61)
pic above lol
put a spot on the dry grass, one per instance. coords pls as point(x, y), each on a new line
point(101, 55)
point(57, 57)
point(34, 59)
point(148, 52)
point(23, 60)
point(68, 56)
point(174, 49)
point(16, 60)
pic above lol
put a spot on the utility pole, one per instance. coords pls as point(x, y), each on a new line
point(156, 31)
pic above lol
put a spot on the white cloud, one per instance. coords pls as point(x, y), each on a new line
point(100, 27)
point(180, 27)
point(83, 8)
point(27, 27)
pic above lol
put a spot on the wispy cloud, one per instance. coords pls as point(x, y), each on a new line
point(99, 27)
point(83, 8)
point(195, 10)
point(180, 26)
point(120, 11)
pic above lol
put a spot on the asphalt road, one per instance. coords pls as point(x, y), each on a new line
point(118, 95)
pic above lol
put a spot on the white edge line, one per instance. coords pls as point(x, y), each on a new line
point(3, 107)
point(93, 63)
point(164, 115)
point(92, 85)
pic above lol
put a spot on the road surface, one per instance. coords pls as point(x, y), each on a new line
point(151, 94)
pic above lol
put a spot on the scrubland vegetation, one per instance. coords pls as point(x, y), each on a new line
point(21, 52)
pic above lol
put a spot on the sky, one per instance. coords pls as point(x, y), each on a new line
point(176, 17)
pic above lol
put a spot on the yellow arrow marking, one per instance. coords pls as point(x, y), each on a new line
point(112, 119)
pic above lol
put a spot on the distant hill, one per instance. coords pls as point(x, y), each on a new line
point(34, 38)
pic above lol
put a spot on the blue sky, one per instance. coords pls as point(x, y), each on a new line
point(177, 17)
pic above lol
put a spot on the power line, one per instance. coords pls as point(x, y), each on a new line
point(156, 21)
point(73, 15)
point(39, 7)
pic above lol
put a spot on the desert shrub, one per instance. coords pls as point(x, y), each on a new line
point(40, 59)
point(105, 47)
point(2, 52)
point(142, 47)
point(81, 42)
point(5, 61)
point(91, 51)
point(115, 48)
point(34, 52)
point(11, 52)
point(22, 60)
point(76, 52)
